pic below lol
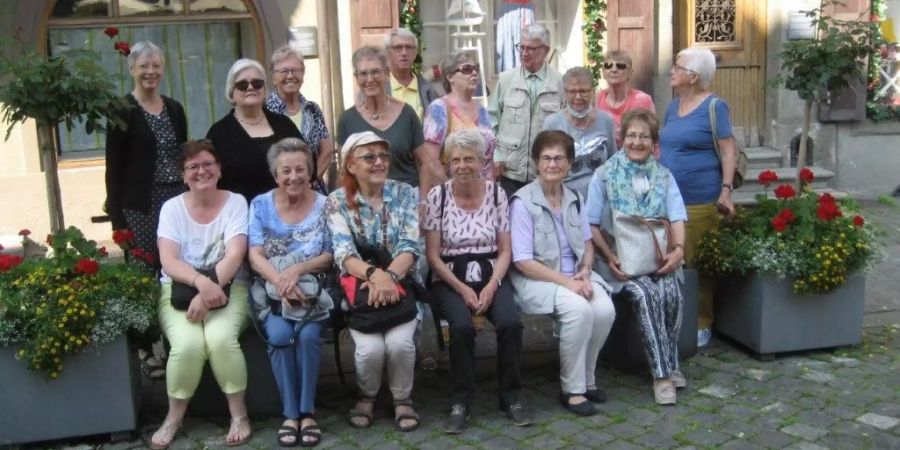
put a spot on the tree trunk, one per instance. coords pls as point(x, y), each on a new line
point(804, 136)
point(51, 177)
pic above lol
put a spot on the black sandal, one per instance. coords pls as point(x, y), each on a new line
point(310, 431)
point(406, 416)
point(287, 431)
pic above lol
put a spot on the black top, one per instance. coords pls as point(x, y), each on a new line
point(131, 159)
point(245, 169)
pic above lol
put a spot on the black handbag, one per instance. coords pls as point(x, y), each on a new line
point(183, 294)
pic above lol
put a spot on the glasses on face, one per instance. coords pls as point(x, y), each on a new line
point(638, 137)
point(558, 159)
point(618, 65)
point(584, 93)
point(195, 167)
point(370, 158)
point(467, 68)
point(364, 74)
point(291, 71)
point(400, 48)
point(522, 48)
point(467, 160)
point(677, 68)
point(245, 85)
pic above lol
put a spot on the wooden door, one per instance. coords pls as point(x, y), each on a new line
point(372, 20)
point(735, 30)
point(631, 29)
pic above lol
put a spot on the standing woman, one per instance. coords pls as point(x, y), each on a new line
point(288, 70)
point(620, 97)
point(141, 166)
point(593, 130)
point(688, 151)
point(458, 110)
point(244, 135)
point(552, 259)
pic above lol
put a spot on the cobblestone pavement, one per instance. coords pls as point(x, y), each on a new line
point(847, 398)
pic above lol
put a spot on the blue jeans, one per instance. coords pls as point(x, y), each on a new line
point(296, 368)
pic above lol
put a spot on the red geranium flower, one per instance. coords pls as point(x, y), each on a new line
point(858, 221)
point(111, 32)
point(779, 223)
point(24, 232)
point(828, 211)
point(123, 48)
point(787, 215)
point(123, 236)
point(137, 252)
point(86, 266)
point(767, 177)
point(827, 198)
point(806, 175)
point(103, 252)
point(785, 191)
point(7, 262)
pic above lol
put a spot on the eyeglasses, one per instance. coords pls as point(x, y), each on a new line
point(526, 49)
point(244, 85)
point(371, 157)
point(194, 168)
point(467, 160)
point(295, 72)
point(585, 93)
point(467, 68)
point(400, 48)
point(374, 73)
point(559, 159)
point(676, 68)
point(618, 65)
point(638, 137)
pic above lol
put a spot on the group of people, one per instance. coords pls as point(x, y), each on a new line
point(510, 206)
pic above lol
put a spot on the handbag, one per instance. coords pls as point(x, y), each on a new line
point(183, 294)
point(641, 243)
point(740, 168)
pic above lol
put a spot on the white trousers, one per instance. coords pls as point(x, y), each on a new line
point(371, 348)
point(583, 326)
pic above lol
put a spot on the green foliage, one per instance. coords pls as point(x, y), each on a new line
point(409, 18)
point(815, 67)
point(60, 305)
point(66, 88)
point(887, 200)
point(594, 27)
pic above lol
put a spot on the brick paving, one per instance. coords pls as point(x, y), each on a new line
point(848, 398)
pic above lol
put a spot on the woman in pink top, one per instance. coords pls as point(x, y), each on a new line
point(620, 97)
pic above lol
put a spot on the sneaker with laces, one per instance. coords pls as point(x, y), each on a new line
point(456, 423)
point(517, 414)
point(703, 337)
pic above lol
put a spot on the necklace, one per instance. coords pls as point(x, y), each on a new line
point(292, 111)
point(574, 121)
point(249, 122)
point(377, 114)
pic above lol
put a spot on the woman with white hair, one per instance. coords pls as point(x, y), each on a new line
point(688, 151)
point(288, 69)
point(244, 135)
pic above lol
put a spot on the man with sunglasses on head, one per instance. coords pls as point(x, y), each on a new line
point(402, 47)
point(523, 98)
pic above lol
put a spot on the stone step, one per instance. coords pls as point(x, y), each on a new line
point(745, 198)
point(785, 175)
point(763, 158)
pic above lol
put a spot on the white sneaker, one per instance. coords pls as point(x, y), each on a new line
point(703, 337)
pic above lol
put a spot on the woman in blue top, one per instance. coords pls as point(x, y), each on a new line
point(688, 151)
point(289, 237)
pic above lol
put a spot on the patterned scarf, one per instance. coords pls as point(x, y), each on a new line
point(636, 188)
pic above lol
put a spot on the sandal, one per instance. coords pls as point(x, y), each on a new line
point(151, 368)
point(285, 432)
point(360, 413)
point(236, 424)
point(664, 392)
point(310, 431)
point(166, 427)
point(405, 416)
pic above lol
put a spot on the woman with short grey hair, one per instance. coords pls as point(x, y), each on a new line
point(288, 70)
point(687, 149)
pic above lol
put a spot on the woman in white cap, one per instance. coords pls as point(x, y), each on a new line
point(370, 213)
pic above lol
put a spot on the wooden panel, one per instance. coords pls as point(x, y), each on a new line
point(631, 29)
point(745, 105)
point(371, 20)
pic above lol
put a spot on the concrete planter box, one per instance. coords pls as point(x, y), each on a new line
point(96, 393)
point(763, 313)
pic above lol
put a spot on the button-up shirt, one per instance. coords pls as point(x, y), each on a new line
point(409, 94)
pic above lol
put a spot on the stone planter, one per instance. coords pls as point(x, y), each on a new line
point(763, 313)
point(96, 393)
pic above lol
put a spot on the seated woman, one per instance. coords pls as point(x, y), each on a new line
point(632, 182)
point(468, 247)
point(372, 211)
point(552, 269)
point(204, 229)
point(289, 238)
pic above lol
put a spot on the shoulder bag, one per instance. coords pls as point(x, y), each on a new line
point(641, 243)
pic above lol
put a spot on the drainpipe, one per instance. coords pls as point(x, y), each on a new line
point(329, 61)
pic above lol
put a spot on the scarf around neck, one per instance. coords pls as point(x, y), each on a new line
point(636, 189)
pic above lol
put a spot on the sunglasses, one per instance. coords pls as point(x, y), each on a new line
point(467, 68)
point(618, 65)
point(244, 85)
point(371, 157)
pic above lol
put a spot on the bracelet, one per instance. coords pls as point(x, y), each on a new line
point(394, 275)
point(193, 280)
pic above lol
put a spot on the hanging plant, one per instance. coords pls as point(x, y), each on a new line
point(409, 19)
point(594, 27)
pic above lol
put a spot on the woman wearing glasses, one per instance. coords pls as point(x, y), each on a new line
point(244, 135)
point(392, 120)
point(592, 129)
point(552, 259)
point(620, 97)
point(288, 70)
point(458, 110)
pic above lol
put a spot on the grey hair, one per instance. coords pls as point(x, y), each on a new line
point(465, 139)
point(238, 67)
point(449, 64)
point(284, 52)
point(369, 52)
point(536, 31)
point(701, 61)
point(579, 72)
point(144, 48)
point(401, 33)
point(290, 145)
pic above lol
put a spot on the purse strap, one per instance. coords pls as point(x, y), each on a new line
point(713, 123)
point(660, 256)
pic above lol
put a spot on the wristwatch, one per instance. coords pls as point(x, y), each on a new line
point(370, 271)
point(730, 187)
point(394, 275)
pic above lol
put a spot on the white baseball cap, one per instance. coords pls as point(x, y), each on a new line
point(363, 138)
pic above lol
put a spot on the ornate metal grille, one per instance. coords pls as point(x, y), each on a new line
point(714, 20)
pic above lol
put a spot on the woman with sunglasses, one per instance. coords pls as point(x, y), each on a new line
point(457, 110)
point(244, 135)
point(620, 97)
point(593, 130)
point(288, 70)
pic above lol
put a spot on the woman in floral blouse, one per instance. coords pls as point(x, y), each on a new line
point(369, 209)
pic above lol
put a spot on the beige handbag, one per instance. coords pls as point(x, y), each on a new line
point(641, 244)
